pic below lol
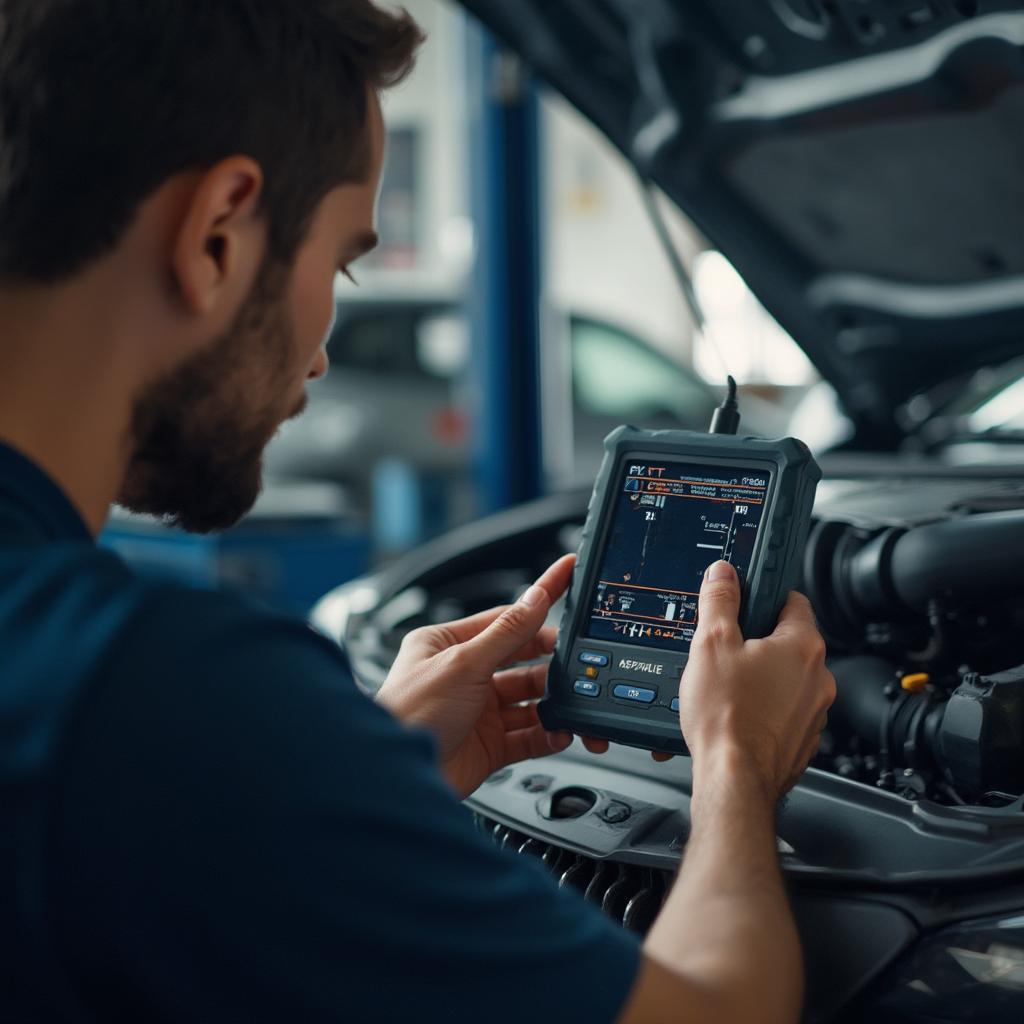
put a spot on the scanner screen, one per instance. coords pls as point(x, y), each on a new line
point(670, 521)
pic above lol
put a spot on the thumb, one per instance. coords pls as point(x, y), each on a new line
point(719, 607)
point(516, 626)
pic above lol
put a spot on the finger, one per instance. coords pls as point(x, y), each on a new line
point(661, 755)
point(518, 624)
point(540, 646)
point(465, 629)
point(519, 716)
point(553, 582)
point(796, 614)
point(519, 684)
point(595, 746)
point(534, 742)
point(556, 578)
point(719, 605)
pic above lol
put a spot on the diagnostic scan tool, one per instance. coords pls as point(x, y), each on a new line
point(665, 506)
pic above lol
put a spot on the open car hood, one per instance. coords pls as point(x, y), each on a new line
point(860, 162)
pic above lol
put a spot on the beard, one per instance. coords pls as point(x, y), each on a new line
point(198, 433)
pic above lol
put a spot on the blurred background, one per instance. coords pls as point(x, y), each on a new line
point(520, 306)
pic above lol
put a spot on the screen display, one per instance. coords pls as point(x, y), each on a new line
point(670, 521)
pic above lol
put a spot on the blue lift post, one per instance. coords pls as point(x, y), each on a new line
point(504, 304)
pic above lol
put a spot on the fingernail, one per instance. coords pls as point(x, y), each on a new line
point(534, 596)
point(720, 570)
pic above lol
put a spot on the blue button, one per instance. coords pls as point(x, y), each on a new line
point(637, 693)
point(675, 704)
point(587, 688)
point(594, 658)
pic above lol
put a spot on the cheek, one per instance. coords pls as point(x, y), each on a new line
point(313, 309)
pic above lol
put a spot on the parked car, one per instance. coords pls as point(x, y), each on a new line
point(398, 388)
point(859, 163)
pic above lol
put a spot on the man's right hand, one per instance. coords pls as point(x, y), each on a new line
point(724, 949)
point(763, 701)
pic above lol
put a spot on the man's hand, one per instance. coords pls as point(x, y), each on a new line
point(763, 702)
point(725, 947)
point(449, 679)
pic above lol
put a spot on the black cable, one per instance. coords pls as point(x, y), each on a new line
point(726, 418)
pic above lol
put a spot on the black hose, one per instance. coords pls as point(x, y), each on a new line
point(978, 556)
point(861, 705)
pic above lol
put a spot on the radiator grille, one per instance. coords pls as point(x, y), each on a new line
point(628, 894)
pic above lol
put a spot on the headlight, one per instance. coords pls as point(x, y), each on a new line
point(970, 972)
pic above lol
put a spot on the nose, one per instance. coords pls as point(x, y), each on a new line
point(320, 365)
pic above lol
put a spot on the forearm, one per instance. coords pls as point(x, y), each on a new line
point(726, 926)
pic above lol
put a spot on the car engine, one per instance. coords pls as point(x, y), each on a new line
point(917, 589)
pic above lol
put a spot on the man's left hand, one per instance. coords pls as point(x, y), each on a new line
point(463, 681)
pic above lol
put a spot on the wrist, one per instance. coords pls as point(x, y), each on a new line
point(726, 767)
point(384, 698)
point(392, 699)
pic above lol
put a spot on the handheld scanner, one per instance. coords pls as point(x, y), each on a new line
point(666, 505)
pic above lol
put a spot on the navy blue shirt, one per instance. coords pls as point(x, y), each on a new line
point(203, 819)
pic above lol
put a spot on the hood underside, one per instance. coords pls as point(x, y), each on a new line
point(860, 162)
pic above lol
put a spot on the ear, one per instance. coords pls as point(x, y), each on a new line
point(220, 238)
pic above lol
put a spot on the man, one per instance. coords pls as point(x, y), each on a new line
point(202, 819)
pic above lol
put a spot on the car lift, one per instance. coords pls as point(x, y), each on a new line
point(504, 297)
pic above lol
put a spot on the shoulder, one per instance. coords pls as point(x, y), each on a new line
point(225, 702)
point(188, 656)
point(79, 613)
point(208, 630)
point(217, 725)
point(107, 658)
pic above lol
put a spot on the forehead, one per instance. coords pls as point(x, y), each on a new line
point(376, 139)
point(376, 126)
point(349, 207)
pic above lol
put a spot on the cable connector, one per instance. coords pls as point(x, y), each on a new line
point(726, 418)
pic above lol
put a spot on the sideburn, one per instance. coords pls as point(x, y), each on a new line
point(199, 432)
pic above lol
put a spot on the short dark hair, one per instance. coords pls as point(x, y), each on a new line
point(101, 101)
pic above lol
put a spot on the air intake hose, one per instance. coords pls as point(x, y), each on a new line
point(978, 556)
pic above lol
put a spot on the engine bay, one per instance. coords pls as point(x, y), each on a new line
point(916, 585)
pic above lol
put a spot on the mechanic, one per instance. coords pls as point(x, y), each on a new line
point(202, 817)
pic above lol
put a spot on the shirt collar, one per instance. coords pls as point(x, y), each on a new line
point(32, 500)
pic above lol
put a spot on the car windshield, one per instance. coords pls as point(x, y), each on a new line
point(614, 374)
point(419, 342)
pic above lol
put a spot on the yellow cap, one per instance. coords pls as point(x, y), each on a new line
point(915, 682)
